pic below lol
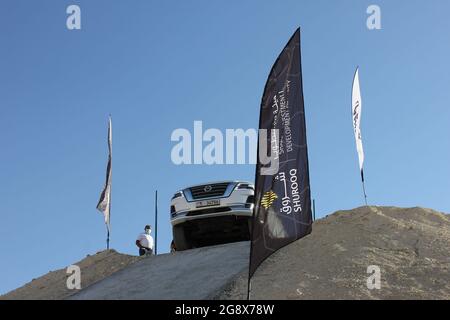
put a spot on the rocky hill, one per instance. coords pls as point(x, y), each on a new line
point(53, 285)
point(411, 247)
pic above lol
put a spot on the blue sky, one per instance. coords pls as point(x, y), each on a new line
point(157, 66)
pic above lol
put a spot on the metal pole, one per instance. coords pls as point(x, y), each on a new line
point(110, 177)
point(364, 187)
point(314, 209)
point(156, 222)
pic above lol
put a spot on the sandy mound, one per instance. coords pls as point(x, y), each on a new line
point(53, 284)
point(411, 247)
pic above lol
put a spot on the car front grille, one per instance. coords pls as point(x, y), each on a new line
point(208, 211)
point(209, 190)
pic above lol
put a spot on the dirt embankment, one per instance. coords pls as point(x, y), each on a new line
point(411, 247)
point(53, 285)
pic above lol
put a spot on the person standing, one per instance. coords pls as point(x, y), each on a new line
point(173, 249)
point(145, 241)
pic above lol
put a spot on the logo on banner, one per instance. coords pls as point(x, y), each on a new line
point(268, 199)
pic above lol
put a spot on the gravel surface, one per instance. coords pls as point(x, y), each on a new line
point(410, 246)
point(53, 285)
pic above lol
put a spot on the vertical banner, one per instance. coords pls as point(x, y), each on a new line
point(282, 211)
point(356, 118)
point(356, 115)
point(104, 204)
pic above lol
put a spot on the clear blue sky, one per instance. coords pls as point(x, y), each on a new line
point(160, 65)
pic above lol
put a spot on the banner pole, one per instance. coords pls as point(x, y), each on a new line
point(252, 221)
point(109, 212)
point(314, 209)
point(252, 230)
point(364, 187)
point(110, 177)
point(156, 222)
point(250, 261)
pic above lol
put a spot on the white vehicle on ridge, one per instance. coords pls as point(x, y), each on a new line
point(212, 213)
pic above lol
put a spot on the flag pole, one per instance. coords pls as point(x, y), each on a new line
point(249, 278)
point(156, 222)
point(109, 217)
point(110, 181)
point(249, 288)
point(364, 187)
point(314, 209)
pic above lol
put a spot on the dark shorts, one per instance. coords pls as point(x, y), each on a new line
point(143, 252)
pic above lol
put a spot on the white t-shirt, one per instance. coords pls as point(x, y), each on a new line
point(145, 240)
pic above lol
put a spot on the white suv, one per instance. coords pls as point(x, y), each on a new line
point(212, 213)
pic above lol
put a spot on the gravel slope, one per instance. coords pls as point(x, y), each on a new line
point(411, 247)
point(53, 285)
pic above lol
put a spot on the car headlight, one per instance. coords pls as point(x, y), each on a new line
point(178, 195)
point(245, 186)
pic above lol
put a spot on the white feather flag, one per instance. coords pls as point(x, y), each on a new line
point(356, 118)
point(104, 204)
point(356, 115)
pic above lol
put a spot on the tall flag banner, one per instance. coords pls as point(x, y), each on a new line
point(356, 118)
point(104, 204)
point(282, 212)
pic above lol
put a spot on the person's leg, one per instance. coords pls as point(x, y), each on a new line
point(141, 252)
